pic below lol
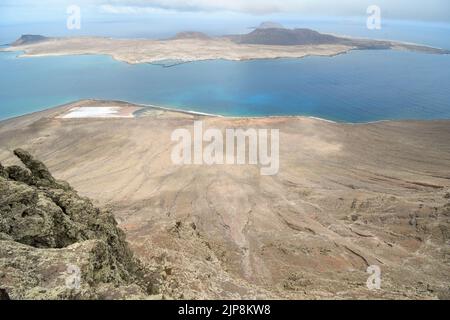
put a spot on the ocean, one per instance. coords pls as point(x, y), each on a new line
point(360, 86)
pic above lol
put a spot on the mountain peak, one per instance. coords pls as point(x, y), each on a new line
point(270, 25)
point(284, 37)
point(28, 38)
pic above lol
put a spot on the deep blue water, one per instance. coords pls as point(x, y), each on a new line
point(358, 87)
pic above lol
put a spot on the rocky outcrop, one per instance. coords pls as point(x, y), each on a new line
point(276, 35)
point(29, 39)
point(285, 37)
point(3, 173)
point(55, 244)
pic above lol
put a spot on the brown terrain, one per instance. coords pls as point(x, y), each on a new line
point(262, 43)
point(346, 197)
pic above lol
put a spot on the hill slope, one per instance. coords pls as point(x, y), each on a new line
point(29, 39)
point(55, 244)
point(284, 37)
point(346, 196)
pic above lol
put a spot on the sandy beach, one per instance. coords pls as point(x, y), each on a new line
point(346, 197)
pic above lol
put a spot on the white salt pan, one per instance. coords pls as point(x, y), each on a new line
point(95, 112)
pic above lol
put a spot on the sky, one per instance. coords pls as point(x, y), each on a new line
point(16, 11)
point(163, 18)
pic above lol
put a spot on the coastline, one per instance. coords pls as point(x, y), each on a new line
point(144, 106)
point(183, 50)
point(365, 181)
point(28, 53)
point(22, 53)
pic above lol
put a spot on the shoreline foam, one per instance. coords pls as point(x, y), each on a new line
point(198, 113)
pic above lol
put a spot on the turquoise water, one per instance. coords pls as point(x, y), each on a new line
point(358, 87)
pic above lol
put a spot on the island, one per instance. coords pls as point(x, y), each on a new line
point(265, 42)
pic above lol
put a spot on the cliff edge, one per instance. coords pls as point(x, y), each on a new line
point(55, 244)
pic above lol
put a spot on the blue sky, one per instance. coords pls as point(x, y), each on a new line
point(21, 11)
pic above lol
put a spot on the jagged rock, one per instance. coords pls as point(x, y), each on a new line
point(29, 39)
point(47, 231)
point(86, 269)
point(37, 168)
point(39, 174)
point(19, 174)
point(3, 172)
point(4, 295)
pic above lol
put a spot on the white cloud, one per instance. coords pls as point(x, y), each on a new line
point(114, 9)
point(243, 6)
point(406, 9)
point(438, 10)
